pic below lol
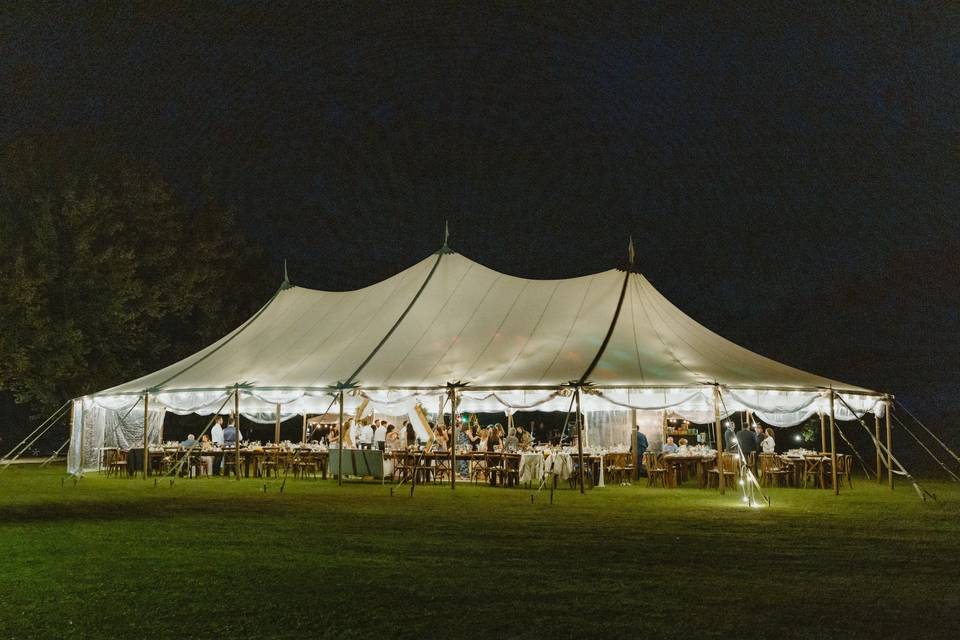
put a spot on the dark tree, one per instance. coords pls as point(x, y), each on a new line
point(105, 274)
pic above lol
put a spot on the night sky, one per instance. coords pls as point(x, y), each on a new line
point(790, 176)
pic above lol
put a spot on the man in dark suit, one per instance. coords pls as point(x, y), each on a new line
point(747, 439)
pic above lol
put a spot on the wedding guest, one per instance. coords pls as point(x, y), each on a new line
point(366, 436)
point(391, 441)
point(380, 435)
point(670, 447)
point(511, 442)
point(216, 436)
point(769, 444)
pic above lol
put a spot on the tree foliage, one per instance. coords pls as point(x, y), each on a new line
point(105, 275)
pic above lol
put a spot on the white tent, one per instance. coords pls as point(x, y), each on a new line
point(515, 343)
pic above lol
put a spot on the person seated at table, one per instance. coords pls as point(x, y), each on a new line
point(484, 439)
point(683, 446)
point(769, 444)
point(669, 446)
point(439, 438)
point(189, 442)
point(511, 443)
point(526, 439)
point(493, 438)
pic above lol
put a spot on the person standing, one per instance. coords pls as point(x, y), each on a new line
point(216, 437)
point(366, 436)
point(380, 435)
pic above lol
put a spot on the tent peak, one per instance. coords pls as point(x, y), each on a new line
point(286, 277)
point(445, 249)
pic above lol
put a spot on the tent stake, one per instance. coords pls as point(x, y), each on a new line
point(888, 408)
point(833, 449)
point(716, 412)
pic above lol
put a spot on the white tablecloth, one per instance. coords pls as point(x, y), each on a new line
point(531, 467)
point(560, 464)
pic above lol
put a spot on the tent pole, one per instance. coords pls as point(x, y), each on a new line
point(633, 446)
point(146, 435)
point(80, 441)
point(303, 430)
point(833, 448)
point(823, 431)
point(276, 427)
point(452, 444)
point(889, 408)
point(340, 437)
point(579, 438)
point(236, 423)
point(876, 445)
point(716, 413)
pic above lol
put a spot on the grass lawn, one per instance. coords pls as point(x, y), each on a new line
point(217, 558)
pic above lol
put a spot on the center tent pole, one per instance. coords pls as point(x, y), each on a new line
point(716, 413)
point(876, 445)
point(340, 437)
point(146, 435)
point(636, 452)
point(453, 438)
point(276, 428)
point(579, 438)
point(887, 409)
point(833, 448)
point(236, 424)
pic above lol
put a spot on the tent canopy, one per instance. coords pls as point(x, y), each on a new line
point(514, 342)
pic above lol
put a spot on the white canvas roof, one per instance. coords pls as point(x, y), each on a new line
point(448, 318)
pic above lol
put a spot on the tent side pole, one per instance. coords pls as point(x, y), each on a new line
point(80, 440)
point(876, 445)
point(579, 439)
point(823, 431)
point(453, 438)
point(633, 446)
point(340, 437)
point(276, 427)
point(146, 435)
point(236, 424)
point(303, 430)
point(886, 412)
point(833, 449)
point(716, 413)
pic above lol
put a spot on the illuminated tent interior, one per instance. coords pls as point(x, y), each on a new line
point(507, 343)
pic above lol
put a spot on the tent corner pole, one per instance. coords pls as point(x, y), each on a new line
point(876, 445)
point(340, 439)
point(823, 430)
point(888, 407)
point(833, 447)
point(580, 440)
point(146, 434)
point(716, 413)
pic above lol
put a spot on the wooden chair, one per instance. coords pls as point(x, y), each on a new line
point(730, 467)
point(118, 463)
point(844, 470)
point(618, 467)
point(305, 462)
point(494, 466)
point(771, 470)
point(441, 467)
point(656, 471)
point(511, 470)
point(813, 471)
point(478, 467)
